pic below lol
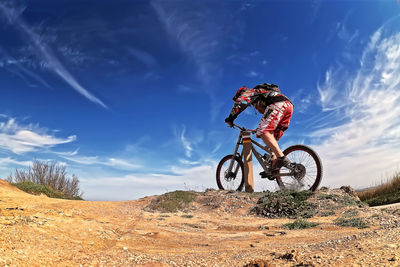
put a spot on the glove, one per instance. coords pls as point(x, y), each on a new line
point(229, 121)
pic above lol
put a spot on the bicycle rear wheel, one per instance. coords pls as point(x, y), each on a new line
point(230, 180)
point(308, 172)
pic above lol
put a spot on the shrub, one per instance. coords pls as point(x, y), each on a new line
point(351, 222)
point(50, 175)
point(350, 201)
point(350, 213)
point(285, 203)
point(173, 201)
point(328, 196)
point(37, 189)
point(324, 189)
point(342, 200)
point(299, 224)
point(327, 213)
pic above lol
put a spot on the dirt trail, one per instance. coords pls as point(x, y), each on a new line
point(40, 231)
point(389, 206)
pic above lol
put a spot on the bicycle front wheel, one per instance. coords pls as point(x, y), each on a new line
point(308, 170)
point(230, 179)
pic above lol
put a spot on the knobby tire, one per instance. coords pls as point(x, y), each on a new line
point(312, 163)
point(235, 183)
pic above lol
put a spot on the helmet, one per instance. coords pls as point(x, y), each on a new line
point(267, 86)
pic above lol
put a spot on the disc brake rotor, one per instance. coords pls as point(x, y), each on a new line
point(299, 171)
point(229, 176)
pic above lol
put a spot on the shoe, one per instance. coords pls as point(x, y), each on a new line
point(280, 162)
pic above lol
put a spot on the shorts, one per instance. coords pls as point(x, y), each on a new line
point(276, 119)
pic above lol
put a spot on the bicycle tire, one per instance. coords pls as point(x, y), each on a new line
point(221, 176)
point(311, 162)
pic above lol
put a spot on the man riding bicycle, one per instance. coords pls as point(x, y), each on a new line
point(277, 110)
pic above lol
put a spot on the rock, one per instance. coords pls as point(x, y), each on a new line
point(350, 191)
point(5, 222)
point(393, 246)
point(258, 263)
point(289, 256)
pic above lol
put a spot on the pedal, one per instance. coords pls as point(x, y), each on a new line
point(263, 174)
point(267, 175)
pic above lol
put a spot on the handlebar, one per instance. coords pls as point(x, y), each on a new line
point(253, 131)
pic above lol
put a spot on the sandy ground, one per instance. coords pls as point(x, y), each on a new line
point(40, 231)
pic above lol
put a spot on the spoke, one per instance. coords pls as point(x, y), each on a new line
point(231, 180)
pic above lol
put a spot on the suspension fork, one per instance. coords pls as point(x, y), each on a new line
point(235, 151)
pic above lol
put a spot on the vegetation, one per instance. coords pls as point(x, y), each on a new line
point(299, 224)
point(173, 201)
point(36, 189)
point(47, 178)
point(386, 193)
point(350, 213)
point(342, 200)
point(351, 222)
point(285, 203)
point(327, 213)
point(324, 189)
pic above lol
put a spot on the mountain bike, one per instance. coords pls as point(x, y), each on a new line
point(303, 173)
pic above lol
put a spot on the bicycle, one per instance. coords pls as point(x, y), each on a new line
point(303, 173)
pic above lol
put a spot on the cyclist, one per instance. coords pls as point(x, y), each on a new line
point(277, 110)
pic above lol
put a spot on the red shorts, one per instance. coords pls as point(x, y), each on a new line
point(276, 119)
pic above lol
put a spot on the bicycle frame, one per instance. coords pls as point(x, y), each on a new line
point(264, 164)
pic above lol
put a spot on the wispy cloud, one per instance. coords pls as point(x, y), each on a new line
point(20, 139)
point(133, 186)
point(254, 53)
point(361, 145)
point(254, 74)
point(186, 89)
point(8, 62)
point(116, 163)
point(188, 162)
point(186, 144)
point(13, 16)
point(344, 34)
point(197, 36)
point(328, 91)
point(5, 162)
point(315, 9)
point(201, 31)
point(302, 100)
point(143, 56)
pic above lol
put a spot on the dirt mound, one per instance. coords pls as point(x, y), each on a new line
point(217, 201)
point(4, 185)
point(280, 204)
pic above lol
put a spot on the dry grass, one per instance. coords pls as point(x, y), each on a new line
point(386, 193)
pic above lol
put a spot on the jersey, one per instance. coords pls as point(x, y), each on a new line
point(259, 98)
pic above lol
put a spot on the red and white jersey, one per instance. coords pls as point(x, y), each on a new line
point(259, 98)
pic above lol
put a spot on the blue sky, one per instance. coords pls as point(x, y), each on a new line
point(132, 95)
